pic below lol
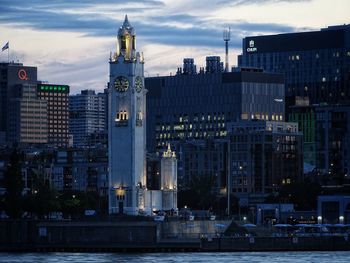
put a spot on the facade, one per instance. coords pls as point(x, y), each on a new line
point(263, 156)
point(81, 169)
point(306, 118)
point(57, 112)
point(87, 116)
point(203, 158)
point(333, 209)
point(23, 117)
point(315, 64)
point(189, 107)
point(326, 128)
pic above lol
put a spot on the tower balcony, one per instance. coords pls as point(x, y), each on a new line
point(121, 123)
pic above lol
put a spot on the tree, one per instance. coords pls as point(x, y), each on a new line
point(43, 199)
point(14, 186)
point(198, 193)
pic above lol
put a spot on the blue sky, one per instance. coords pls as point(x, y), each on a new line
point(70, 41)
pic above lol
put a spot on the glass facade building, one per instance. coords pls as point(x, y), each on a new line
point(191, 112)
point(264, 155)
point(315, 64)
point(87, 116)
point(326, 131)
point(198, 106)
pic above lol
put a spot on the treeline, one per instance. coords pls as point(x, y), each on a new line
point(42, 200)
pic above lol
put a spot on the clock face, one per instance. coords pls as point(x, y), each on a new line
point(121, 84)
point(138, 84)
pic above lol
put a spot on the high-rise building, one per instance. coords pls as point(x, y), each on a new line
point(198, 106)
point(315, 64)
point(87, 116)
point(57, 112)
point(23, 116)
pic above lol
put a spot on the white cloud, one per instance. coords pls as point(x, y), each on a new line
point(72, 46)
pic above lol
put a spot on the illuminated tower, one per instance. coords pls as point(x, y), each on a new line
point(169, 180)
point(126, 126)
point(227, 37)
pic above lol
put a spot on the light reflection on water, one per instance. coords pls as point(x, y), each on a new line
point(271, 257)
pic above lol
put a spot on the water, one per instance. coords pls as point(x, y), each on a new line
point(270, 257)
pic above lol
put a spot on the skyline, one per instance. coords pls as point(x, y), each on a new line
point(70, 43)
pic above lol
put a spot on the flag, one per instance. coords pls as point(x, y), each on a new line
point(5, 47)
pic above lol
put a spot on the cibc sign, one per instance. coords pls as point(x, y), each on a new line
point(252, 47)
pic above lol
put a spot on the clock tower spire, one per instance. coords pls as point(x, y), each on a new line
point(126, 126)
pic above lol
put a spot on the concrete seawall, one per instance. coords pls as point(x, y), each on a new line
point(323, 243)
point(146, 236)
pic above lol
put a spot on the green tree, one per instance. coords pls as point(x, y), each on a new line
point(73, 203)
point(14, 186)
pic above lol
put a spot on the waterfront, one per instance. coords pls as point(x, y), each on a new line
point(295, 257)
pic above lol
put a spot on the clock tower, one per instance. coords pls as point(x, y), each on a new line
point(126, 126)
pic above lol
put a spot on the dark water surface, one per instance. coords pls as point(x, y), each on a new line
point(293, 257)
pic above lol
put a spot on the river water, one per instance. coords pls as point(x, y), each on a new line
point(293, 257)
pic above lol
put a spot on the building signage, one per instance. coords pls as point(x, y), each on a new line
point(252, 47)
point(22, 74)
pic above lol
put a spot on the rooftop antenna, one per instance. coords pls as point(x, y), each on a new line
point(227, 37)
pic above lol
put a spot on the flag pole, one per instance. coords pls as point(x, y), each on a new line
point(8, 53)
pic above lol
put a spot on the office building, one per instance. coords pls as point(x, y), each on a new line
point(23, 117)
point(327, 140)
point(263, 156)
point(83, 169)
point(189, 107)
point(203, 158)
point(87, 115)
point(315, 64)
point(56, 97)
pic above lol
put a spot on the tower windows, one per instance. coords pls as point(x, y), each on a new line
point(123, 43)
point(139, 118)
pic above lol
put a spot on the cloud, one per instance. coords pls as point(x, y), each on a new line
point(190, 30)
point(81, 34)
point(254, 2)
point(61, 4)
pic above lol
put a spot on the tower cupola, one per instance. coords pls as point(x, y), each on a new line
point(126, 41)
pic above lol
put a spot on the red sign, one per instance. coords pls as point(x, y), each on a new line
point(22, 74)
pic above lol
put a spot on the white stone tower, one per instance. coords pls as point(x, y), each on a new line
point(126, 126)
point(169, 180)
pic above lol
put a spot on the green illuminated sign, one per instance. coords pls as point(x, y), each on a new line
point(52, 88)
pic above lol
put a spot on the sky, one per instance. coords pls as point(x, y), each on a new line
point(70, 41)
